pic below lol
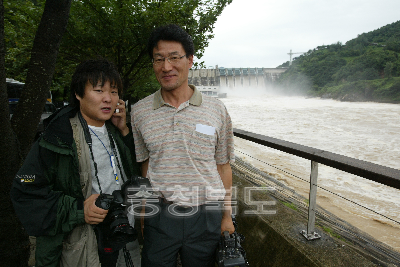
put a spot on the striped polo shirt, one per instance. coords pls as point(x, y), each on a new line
point(184, 146)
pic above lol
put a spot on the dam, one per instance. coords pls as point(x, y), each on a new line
point(217, 81)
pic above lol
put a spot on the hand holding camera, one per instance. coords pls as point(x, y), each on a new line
point(115, 231)
point(230, 253)
point(93, 214)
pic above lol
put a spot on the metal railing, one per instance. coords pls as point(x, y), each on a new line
point(374, 172)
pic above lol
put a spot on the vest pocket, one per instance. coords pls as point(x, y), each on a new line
point(80, 248)
point(74, 248)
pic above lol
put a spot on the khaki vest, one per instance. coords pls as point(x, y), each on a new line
point(80, 247)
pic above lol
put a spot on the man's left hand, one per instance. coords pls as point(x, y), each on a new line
point(119, 118)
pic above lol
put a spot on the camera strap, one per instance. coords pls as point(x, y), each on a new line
point(128, 259)
point(88, 139)
point(113, 155)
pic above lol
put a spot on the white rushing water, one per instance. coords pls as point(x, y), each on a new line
point(366, 131)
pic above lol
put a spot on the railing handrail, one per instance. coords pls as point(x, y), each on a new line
point(378, 173)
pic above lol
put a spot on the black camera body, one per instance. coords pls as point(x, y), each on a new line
point(230, 253)
point(115, 231)
point(137, 187)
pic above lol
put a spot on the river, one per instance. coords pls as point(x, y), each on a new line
point(366, 131)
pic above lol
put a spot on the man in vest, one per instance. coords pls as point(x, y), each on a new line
point(86, 149)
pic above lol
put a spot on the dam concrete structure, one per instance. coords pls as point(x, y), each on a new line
point(211, 81)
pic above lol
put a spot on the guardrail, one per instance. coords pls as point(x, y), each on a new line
point(378, 173)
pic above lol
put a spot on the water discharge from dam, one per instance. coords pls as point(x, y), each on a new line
point(366, 131)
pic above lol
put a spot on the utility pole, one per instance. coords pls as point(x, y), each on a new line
point(290, 54)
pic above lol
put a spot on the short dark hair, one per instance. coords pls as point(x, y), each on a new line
point(93, 71)
point(170, 32)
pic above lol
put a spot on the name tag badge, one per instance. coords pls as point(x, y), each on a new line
point(205, 129)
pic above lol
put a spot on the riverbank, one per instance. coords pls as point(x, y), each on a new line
point(378, 227)
point(379, 90)
point(274, 239)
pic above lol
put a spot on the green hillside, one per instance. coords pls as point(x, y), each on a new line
point(366, 68)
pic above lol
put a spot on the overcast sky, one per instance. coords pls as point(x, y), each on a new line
point(260, 33)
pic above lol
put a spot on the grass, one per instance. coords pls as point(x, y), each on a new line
point(332, 233)
point(289, 205)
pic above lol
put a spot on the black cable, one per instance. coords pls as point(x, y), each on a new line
point(88, 139)
point(128, 259)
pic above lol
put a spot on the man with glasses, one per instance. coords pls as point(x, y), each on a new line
point(185, 143)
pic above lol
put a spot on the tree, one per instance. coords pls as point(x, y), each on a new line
point(388, 69)
point(115, 29)
point(17, 134)
point(119, 29)
point(21, 21)
point(393, 44)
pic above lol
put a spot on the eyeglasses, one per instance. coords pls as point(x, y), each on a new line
point(174, 59)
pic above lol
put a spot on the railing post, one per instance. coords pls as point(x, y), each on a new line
point(310, 234)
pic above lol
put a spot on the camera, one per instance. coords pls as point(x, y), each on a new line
point(137, 187)
point(115, 231)
point(229, 252)
point(135, 190)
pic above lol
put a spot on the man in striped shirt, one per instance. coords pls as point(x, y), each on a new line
point(185, 143)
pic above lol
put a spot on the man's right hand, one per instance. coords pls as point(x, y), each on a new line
point(93, 214)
